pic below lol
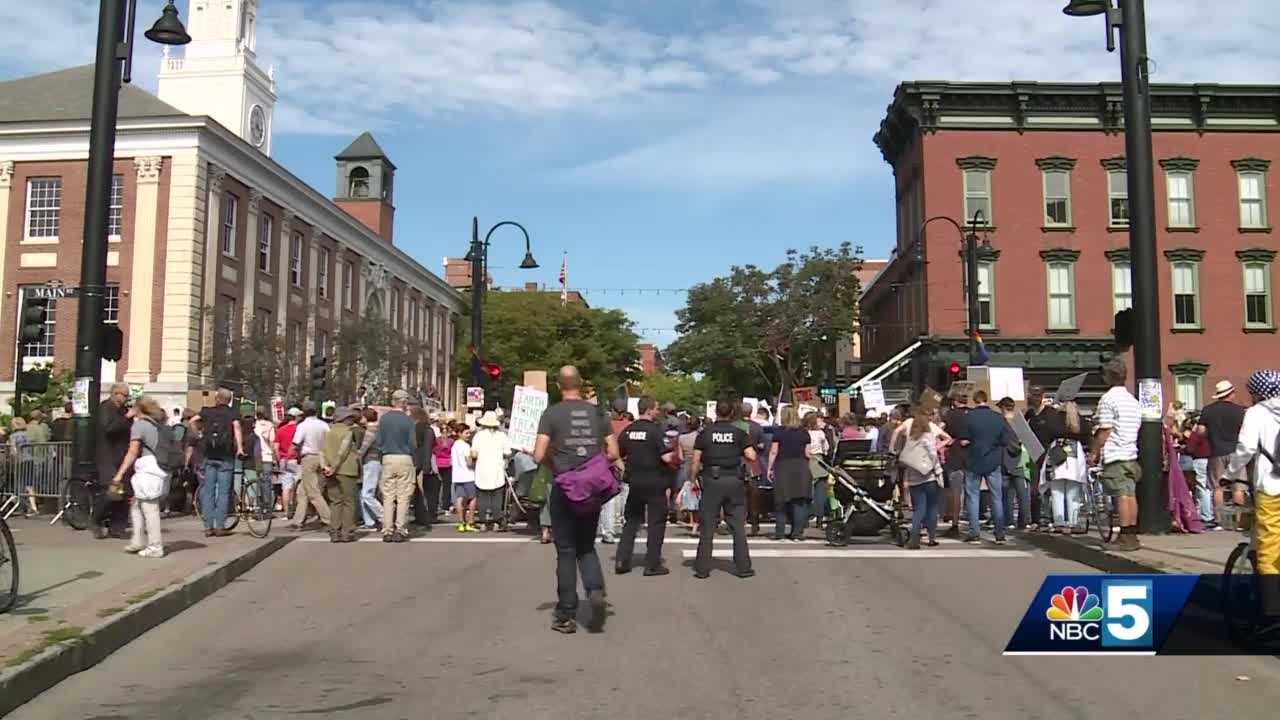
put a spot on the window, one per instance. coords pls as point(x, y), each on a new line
point(1257, 294)
point(395, 309)
point(1188, 388)
point(1057, 197)
point(348, 278)
point(115, 211)
point(265, 226)
point(1253, 210)
point(111, 305)
point(1062, 304)
point(222, 324)
point(322, 273)
point(44, 208)
point(322, 344)
point(295, 260)
point(293, 339)
point(358, 186)
point(1118, 195)
point(266, 324)
point(1181, 203)
point(42, 352)
point(1186, 294)
point(229, 225)
point(1121, 286)
point(977, 194)
point(986, 295)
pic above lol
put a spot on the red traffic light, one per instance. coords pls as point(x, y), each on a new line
point(494, 371)
point(954, 369)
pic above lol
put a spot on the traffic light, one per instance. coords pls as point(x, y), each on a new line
point(953, 373)
point(34, 312)
point(1123, 330)
point(319, 372)
point(495, 373)
point(112, 342)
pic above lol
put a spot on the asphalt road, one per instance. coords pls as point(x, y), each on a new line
point(460, 630)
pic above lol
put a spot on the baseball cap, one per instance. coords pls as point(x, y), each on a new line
point(294, 412)
point(399, 396)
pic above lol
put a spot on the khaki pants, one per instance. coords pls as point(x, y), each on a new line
point(397, 487)
point(342, 494)
point(311, 490)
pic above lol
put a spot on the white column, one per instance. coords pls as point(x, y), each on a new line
point(249, 268)
point(141, 288)
point(282, 277)
point(6, 183)
point(212, 263)
point(193, 184)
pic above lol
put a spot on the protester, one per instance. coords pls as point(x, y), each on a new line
point(341, 468)
point(688, 494)
point(64, 425)
point(308, 441)
point(792, 481)
point(957, 458)
point(612, 510)
point(424, 460)
point(571, 435)
point(222, 443)
point(720, 453)
point(1197, 447)
point(150, 480)
point(290, 470)
point(752, 470)
point(444, 462)
point(820, 445)
point(1115, 445)
point(643, 447)
point(111, 511)
point(464, 480)
point(921, 440)
point(1259, 444)
point(1017, 491)
point(370, 459)
point(396, 433)
point(1221, 421)
point(265, 430)
point(490, 450)
point(1065, 469)
point(988, 436)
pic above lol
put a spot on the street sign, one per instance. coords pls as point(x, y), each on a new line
point(51, 292)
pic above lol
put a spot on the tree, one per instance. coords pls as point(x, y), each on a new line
point(369, 353)
point(61, 382)
point(689, 393)
point(533, 331)
point(756, 332)
point(257, 360)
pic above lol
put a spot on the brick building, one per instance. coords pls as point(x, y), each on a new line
point(849, 352)
point(651, 360)
point(207, 232)
point(1045, 165)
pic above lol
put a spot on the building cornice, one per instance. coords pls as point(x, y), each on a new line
point(1060, 255)
point(1256, 255)
point(1057, 162)
point(1114, 163)
point(1251, 164)
point(1189, 367)
point(1117, 255)
point(1021, 106)
point(1184, 254)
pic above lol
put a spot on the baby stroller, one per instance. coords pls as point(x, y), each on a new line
point(526, 492)
point(863, 495)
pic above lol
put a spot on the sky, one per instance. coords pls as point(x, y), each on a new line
point(652, 143)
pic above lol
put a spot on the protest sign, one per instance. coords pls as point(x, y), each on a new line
point(526, 411)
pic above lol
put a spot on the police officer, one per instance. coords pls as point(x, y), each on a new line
point(644, 450)
point(718, 454)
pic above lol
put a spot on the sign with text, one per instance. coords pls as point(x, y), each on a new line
point(807, 395)
point(527, 407)
point(277, 410)
point(873, 395)
point(475, 397)
point(50, 292)
point(711, 409)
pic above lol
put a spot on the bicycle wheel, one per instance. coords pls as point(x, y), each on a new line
point(8, 568)
point(77, 504)
point(1105, 508)
point(1241, 604)
point(257, 505)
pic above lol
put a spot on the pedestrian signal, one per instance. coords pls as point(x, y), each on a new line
point(34, 316)
point(319, 371)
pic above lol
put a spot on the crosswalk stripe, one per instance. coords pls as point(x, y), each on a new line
point(761, 547)
point(867, 553)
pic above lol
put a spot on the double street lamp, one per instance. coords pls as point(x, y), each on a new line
point(1130, 19)
point(113, 65)
point(478, 256)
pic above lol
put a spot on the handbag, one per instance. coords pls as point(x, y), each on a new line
point(916, 455)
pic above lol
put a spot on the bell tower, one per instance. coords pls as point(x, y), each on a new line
point(218, 75)
point(365, 176)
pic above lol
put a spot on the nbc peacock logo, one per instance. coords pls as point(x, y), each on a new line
point(1074, 605)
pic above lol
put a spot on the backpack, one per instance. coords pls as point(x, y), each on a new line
point(168, 451)
point(219, 439)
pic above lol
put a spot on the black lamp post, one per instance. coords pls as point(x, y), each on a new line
point(974, 252)
point(1130, 19)
point(478, 255)
point(113, 66)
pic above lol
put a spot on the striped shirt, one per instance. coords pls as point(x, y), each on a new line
point(1118, 411)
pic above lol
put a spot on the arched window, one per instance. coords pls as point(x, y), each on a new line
point(358, 183)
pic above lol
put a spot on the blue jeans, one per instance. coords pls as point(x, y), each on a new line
point(924, 508)
point(973, 498)
point(370, 507)
point(1016, 487)
point(215, 491)
point(1204, 489)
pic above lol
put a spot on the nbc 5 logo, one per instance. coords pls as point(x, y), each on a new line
point(1128, 605)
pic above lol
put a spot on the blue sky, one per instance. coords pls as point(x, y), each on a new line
point(657, 142)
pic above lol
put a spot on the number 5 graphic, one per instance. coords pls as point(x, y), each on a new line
point(1128, 604)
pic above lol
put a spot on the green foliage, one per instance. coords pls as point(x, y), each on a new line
point(61, 382)
point(258, 361)
point(687, 392)
point(533, 331)
point(755, 331)
point(371, 354)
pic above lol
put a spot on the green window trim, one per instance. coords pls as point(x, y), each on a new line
point(976, 162)
point(1251, 164)
point(1184, 255)
point(1060, 255)
point(1256, 255)
point(1183, 164)
point(1115, 164)
point(1056, 162)
point(1189, 368)
point(1116, 255)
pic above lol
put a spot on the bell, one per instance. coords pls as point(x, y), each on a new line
point(528, 263)
point(168, 30)
point(1086, 8)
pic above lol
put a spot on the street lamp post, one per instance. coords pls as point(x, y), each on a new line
point(973, 251)
point(479, 257)
point(1130, 20)
point(113, 65)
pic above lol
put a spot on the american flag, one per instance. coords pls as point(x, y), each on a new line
point(564, 279)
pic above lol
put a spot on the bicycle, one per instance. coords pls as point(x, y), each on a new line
point(1241, 591)
point(1099, 507)
point(76, 502)
point(8, 568)
point(254, 502)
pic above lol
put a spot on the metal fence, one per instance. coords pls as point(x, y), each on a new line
point(32, 473)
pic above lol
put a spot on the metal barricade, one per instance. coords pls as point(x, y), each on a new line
point(33, 472)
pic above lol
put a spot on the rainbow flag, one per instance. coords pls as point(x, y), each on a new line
point(980, 356)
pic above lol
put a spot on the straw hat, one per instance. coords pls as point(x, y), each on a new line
point(1223, 389)
point(488, 420)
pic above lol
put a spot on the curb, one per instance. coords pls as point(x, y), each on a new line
point(1085, 555)
point(58, 662)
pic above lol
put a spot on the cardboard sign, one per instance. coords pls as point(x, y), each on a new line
point(931, 399)
point(807, 395)
point(197, 399)
point(633, 406)
point(1026, 437)
point(536, 379)
point(963, 387)
point(873, 395)
point(475, 397)
point(527, 407)
point(711, 409)
point(277, 410)
point(843, 404)
point(804, 410)
point(1006, 382)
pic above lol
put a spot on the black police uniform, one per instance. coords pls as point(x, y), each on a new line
point(723, 487)
point(642, 446)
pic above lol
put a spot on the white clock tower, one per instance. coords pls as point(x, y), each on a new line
point(219, 75)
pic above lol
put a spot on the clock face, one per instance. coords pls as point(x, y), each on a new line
point(257, 126)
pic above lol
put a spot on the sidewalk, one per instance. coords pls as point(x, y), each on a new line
point(80, 599)
point(1203, 553)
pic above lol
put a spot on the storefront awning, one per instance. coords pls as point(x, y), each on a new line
point(888, 367)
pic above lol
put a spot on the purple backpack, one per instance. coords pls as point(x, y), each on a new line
point(589, 486)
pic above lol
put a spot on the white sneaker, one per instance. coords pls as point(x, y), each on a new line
point(134, 549)
point(154, 551)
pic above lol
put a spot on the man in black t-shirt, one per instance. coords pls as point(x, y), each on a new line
point(644, 449)
point(718, 454)
point(1220, 420)
point(953, 424)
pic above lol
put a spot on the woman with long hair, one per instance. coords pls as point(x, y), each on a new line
point(150, 481)
point(370, 458)
point(688, 494)
point(792, 483)
point(1065, 471)
point(921, 470)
